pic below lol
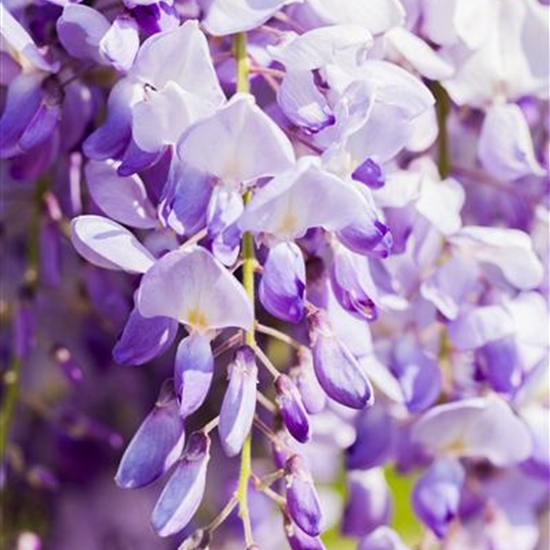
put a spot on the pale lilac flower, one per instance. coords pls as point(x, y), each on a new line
point(239, 402)
point(183, 493)
point(477, 427)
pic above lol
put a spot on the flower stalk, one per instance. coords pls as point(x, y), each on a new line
point(249, 262)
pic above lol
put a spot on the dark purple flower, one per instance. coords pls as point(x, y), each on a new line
point(283, 283)
point(337, 370)
point(303, 502)
point(155, 447)
point(370, 173)
point(292, 409)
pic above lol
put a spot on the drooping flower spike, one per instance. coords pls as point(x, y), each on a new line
point(320, 226)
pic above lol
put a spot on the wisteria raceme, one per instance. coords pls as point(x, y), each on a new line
point(320, 228)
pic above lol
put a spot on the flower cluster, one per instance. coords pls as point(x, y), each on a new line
point(329, 221)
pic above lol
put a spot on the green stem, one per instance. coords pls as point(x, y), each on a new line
point(442, 107)
point(249, 262)
point(11, 390)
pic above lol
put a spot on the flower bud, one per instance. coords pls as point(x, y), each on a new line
point(283, 283)
point(303, 375)
point(292, 409)
point(337, 370)
point(368, 505)
point(299, 540)
point(183, 493)
point(193, 372)
point(303, 502)
point(155, 447)
point(199, 540)
point(436, 495)
point(239, 402)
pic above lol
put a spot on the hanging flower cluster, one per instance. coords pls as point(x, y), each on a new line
point(333, 215)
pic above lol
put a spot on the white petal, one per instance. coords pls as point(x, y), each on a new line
point(412, 48)
point(194, 288)
point(231, 16)
point(303, 197)
point(123, 199)
point(107, 244)
point(377, 16)
point(510, 250)
point(237, 144)
point(164, 115)
point(182, 56)
point(505, 147)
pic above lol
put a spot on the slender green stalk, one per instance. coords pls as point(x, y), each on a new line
point(249, 262)
point(442, 106)
point(11, 390)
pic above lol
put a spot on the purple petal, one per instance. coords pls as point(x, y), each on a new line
point(155, 447)
point(113, 136)
point(419, 376)
point(352, 284)
point(299, 540)
point(22, 104)
point(183, 493)
point(374, 441)
point(481, 325)
point(368, 505)
point(185, 198)
point(292, 409)
point(499, 362)
point(136, 160)
point(382, 538)
point(370, 173)
point(368, 234)
point(80, 30)
point(143, 339)
point(436, 495)
point(303, 503)
point(313, 396)
point(302, 102)
point(42, 125)
point(193, 372)
point(282, 286)
point(239, 402)
point(107, 244)
point(224, 209)
point(337, 370)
